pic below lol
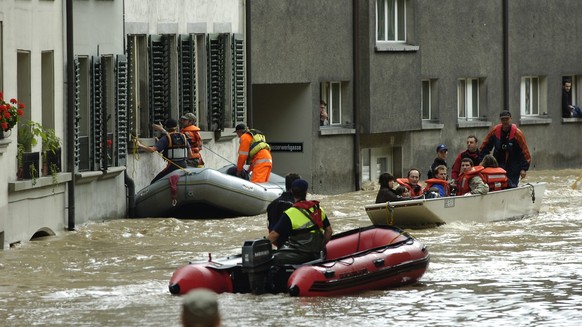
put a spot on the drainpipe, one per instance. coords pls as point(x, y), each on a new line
point(505, 54)
point(248, 62)
point(356, 90)
point(130, 194)
point(70, 81)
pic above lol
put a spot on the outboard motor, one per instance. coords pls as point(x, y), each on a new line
point(257, 257)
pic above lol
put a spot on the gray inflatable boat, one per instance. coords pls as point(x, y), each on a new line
point(206, 193)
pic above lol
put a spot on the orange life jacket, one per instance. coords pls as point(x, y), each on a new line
point(414, 191)
point(432, 181)
point(465, 178)
point(496, 178)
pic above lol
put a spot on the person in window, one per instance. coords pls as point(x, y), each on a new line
point(509, 148)
point(441, 151)
point(323, 117)
point(174, 147)
point(253, 146)
point(387, 193)
point(306, 227)
point(569, 110)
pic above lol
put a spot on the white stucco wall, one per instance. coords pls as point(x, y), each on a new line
point(184, 16)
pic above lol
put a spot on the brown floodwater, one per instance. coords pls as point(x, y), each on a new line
point(524, 272)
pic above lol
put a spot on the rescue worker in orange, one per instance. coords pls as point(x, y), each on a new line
point(174, 146)
point(470, 180)
point(411, 183)
point(493, 175)
point(189, 128)
point(192, 132)
point(254, 147)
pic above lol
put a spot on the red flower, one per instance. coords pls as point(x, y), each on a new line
point(13, 101)
point(21, 105)
point(4, 126)
point(20, 112)
point(10, 112)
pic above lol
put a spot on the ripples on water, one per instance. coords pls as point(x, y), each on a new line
point(523, 273)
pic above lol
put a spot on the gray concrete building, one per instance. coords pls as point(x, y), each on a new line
point(405, 75)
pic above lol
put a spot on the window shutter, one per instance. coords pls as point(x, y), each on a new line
point(130, 82)
point(187, 71)
point(97, 119)
point(238, 79)
point(216, 79)
point(121, 133)
point(77, 113)
point(160, 99)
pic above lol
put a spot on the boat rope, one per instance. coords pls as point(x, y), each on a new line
point(390, 210)
point(209, 149)
point(533, 192)
point(135, 148)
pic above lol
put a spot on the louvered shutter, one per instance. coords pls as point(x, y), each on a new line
point(131, 114)
point(216, 80)
point(77, 113)
point(160, 99)
point(121, 133)
point(97, 119)
point(187, 71)
point(238, 80)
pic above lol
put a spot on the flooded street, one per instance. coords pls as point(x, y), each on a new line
point(523, 272)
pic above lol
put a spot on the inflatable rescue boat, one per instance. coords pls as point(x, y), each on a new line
point(367, 258)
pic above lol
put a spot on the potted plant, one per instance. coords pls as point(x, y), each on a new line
point(10, 113)
point(51, 152)
point(28, 162)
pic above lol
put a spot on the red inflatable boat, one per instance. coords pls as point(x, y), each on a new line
point(367, 258)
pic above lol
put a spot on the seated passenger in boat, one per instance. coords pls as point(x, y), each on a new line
point(470, 180)
point(276, 208)
point(493, 175)
point(412, 183)
point(306, 227)
point(439, 184)
point(387, 192)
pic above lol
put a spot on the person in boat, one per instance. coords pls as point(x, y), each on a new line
point(471, 180)
point(387, 193)
point(472, 152)
point(438, 186)
point(174, 147)
point(412, 183)
point(254, 147)
point(200, 309)
point(189, 128)
point(493, 175)
point(509, 148)
point(306, 227)
point(441, 151)
point(285, 201)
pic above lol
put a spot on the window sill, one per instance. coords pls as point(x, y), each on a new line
point(571, 120)
point(39, 182)
point(535, 121)
point(472, 123)
point(336, 130)
point(4, 144)
point(429, 124)
point(396, 47)
point(87, 177)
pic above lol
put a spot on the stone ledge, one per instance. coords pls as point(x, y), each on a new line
point(571, 120)
point(535, 121)
point(473, 123)
point(333, 130)
point(40, 182)
point(4, 144)
point(427, 124)
point(396, 47)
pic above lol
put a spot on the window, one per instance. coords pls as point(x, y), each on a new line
point(426, 99)
point(331, 93)
point(468, 98)
point(530, 96)
point(48, 89)
point(391, 20)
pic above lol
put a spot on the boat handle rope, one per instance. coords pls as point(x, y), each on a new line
point(390, 209)
point(533, 192)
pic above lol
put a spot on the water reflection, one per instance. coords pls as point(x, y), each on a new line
point(524, 272)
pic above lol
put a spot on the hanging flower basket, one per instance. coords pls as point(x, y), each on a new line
point(10, 113)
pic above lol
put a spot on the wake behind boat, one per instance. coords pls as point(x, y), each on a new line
point(513, 203)
point(206, 193)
